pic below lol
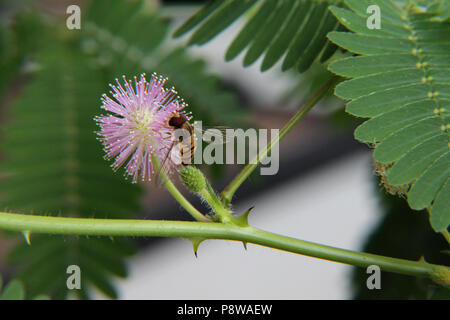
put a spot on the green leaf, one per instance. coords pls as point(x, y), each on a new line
point(417, 160)
point(380, 127)
point(317, 43)
point(358, 24)
point(13, 291)
point(275, 28)
point(365, 85)
point(401, 81)
point(249, 31)
point(364, 44)
point(18, 44)
point(198, 17)
point(220, 20)
point(268, 32)
point(395, 146)
point(444, 10)
point(303, 36)
point(76, 181)
point(439, 214)
point(379, 102)
point(368, 65)
point(428, 184)
point(279, 43)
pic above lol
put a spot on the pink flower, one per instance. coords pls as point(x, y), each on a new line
point(137, 125)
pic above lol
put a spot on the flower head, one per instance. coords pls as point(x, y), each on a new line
point(137, 125)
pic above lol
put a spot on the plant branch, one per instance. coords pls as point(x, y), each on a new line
point(228, 192)
point(224, 215)
point(176, 193)
point(182, 229)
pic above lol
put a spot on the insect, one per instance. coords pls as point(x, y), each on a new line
point(184, 145)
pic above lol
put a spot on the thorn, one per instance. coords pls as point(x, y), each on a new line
point(245, 245)
point(242, 220)
point(26, 235)
point(195, 243)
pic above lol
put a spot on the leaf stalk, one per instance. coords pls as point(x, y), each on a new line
point(227, 194)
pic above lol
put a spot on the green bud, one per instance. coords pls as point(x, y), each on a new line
point(441, 275)
point(193, 179)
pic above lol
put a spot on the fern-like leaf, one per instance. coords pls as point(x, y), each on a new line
point(441, 8)
point(18, 42)
point(295, 29)
point(54, 164)
point(401, 81)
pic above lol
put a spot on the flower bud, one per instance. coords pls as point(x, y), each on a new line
point(193, 179)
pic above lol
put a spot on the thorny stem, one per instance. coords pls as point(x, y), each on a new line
point(228, 192)
point(229, 229)
point(225, 231)
point(223, 214)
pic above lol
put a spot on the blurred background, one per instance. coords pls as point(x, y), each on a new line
point(51, 82)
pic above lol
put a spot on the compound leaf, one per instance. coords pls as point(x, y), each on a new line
point(293, 28)
point(401, 81)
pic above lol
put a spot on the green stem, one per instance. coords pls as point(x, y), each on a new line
point(184, 202)
point(210, 196)
point(176, 193)
point(183, 229)
point(228, 192)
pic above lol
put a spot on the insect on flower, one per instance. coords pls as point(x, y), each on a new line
point(185, 139)
point(143, 120)
point(138, 124)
